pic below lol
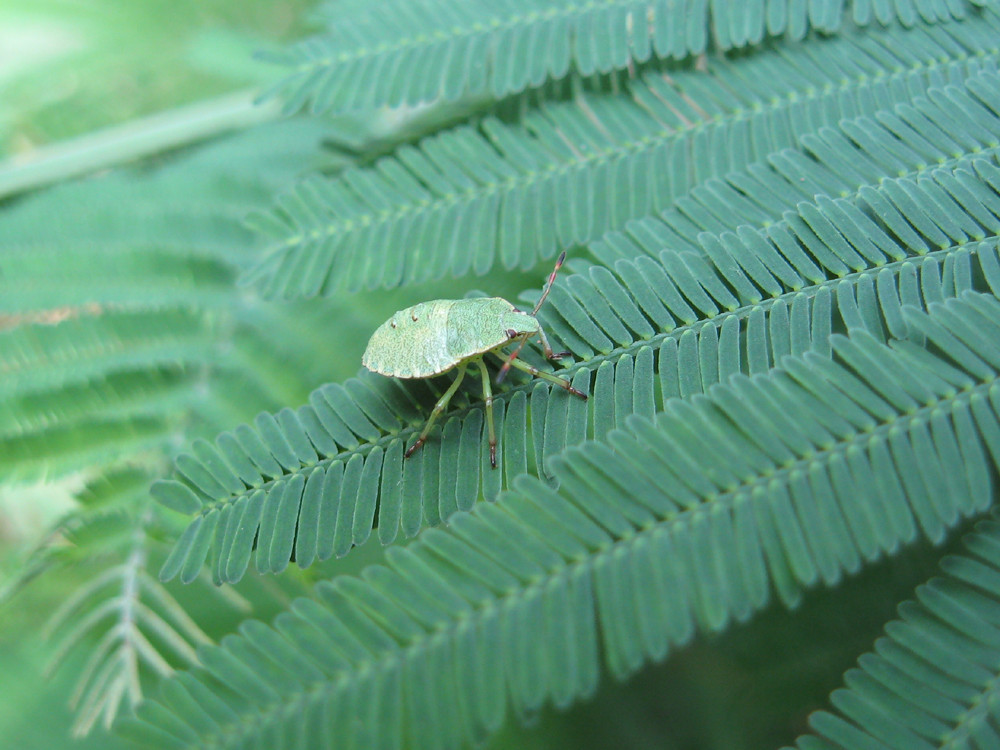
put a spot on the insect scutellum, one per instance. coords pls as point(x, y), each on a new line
point(431, 338)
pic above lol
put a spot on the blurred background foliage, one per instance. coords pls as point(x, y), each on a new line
point(69, 68)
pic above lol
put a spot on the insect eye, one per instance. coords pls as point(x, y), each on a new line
point(511, 333)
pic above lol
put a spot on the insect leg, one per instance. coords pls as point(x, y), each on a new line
point(506, 365)
point(547, 348)
point(488, 397)
point(438, 408)
point(561, 382)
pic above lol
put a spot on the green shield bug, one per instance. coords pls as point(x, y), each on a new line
point(432, 338)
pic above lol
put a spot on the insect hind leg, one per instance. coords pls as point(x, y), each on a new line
point(561, 382)
point(439, 407)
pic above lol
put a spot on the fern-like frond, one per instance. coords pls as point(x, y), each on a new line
point(931, 681)
point(148, 391)
point(129, 622)
point(173, 237)
point(682, 523)
point(35, 357)
point(125, 271)
point(466, 199)
point(367, 55)
point(647, 329)
point(96, 387)
point(761, 195)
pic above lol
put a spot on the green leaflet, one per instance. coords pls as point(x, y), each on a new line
point(645, 329)
point(516, 602)
point(468, 198)
point(365, 57)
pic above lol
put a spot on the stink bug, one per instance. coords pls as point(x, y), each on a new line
point(431, 338)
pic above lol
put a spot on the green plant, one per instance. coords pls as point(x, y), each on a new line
point(782, 224)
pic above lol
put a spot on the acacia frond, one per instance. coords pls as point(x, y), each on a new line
point(469, 198)
point(824, 464)
point(367, 55)
point(931, 681)
point(645, 330)
point(131, 625)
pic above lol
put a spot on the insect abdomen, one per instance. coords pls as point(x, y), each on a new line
point(412, 343)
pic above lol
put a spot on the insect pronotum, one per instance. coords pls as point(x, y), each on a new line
point(431, 338)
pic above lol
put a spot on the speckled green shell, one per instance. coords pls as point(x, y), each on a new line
point(432, 337)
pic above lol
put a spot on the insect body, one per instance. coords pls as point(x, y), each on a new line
point(431, 338)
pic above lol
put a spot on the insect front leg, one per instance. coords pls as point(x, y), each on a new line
point(439, 407)
point(488, 398)
point(513, 355)
point(561, 382)
point(547, 348)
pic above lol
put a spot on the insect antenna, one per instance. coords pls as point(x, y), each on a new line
point(548, 284)
point(545, 293)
